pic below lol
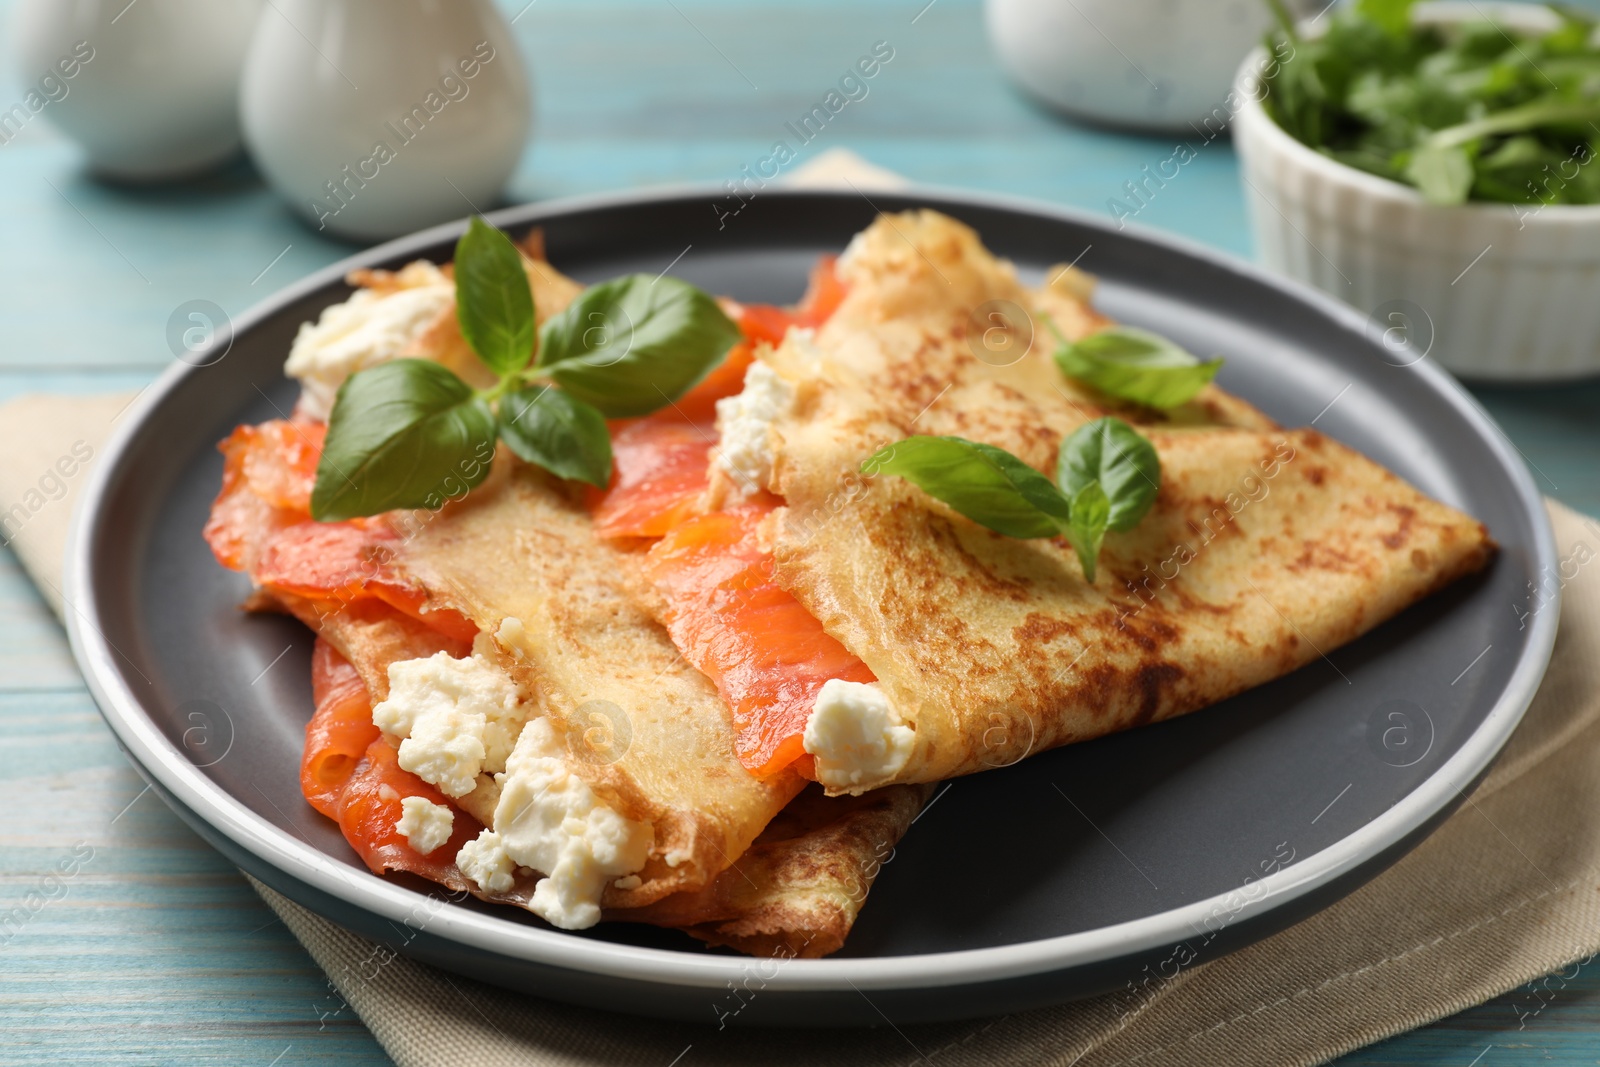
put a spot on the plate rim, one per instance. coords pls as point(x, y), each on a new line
point(156, 756)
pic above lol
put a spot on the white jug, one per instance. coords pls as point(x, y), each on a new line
point(148, 88)
point(374, 118)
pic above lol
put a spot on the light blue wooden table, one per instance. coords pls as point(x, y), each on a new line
point(155, 951)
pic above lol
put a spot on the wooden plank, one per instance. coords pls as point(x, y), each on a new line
point(123, 937)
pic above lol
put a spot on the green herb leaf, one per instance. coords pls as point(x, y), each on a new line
point(1086, 528)
point(1436, 106)
point(1393, 15)
point(1107, 477)
point(988, 485)
point(1136, 365)
point(1114, 455)
point(635, 344)
point(494, 302)
point(406, 434)
point(550, 429)
point(1443, 175)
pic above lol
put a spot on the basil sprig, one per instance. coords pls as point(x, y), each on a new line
point(411, 434)
point(1107, 477)
point(1136, 365)
point(631, 345)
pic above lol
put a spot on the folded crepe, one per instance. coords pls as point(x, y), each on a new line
point(966, 650)
point(795, 893)
point(553, 748)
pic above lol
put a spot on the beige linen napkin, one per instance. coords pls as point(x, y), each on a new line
point(1504, 892)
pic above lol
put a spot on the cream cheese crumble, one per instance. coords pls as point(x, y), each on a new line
point(550, 819)
point(424, 824)
point(368, 329)
point(484, 860)
point(857, 737)
point(744, 421)
point(459, 718)
point(455, 718)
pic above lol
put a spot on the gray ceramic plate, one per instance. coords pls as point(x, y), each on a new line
point(1066, 874)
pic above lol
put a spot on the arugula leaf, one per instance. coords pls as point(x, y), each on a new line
point(550, 429)
point(1136, 365)
point(494, 302)
point(1107, 477)
point(1392, 15)
point(1517, 120)
point(1087, 527)
point(406, 434)
point(634, 344)
point(1121, 460)
point(988, 485)
point(1443, 175)
point(1436, 107)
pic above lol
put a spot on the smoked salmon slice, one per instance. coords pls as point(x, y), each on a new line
point(659, 476)
point(338, 734)
point(351, 773)
point(660, 461)
point(334, 563)
point(767, 655)
point(370, 807)
point(261, 523)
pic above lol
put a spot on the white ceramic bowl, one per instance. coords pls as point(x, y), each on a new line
point(1147, 64)
point(1490, 291)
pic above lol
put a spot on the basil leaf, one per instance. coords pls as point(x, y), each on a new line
point(406, 434)
point(1086, 528)
point(1136, 365)
point(494, 302)
point(1110, 452)
point(635, 344)
point(552, 430)
point(1442, 174)
point(988, 485)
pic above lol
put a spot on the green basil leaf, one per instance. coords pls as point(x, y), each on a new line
point(494, 302)
point(1443, 174)
point(1111, 453)
point(552, 430)
point(988, 485)
point(1086, 528)
point(635, 344)
point(1136, 365)
point(406, 434)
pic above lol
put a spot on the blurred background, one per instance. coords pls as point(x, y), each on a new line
point(625, 94)
point(618, 94)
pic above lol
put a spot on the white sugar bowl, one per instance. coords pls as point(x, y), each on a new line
point(374, 118)
point(148, 88)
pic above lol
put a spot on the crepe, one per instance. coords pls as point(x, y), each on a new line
point(798, 890)
point(524, 542)
point(519, 557)
point(795, 893)
point(1265, 550)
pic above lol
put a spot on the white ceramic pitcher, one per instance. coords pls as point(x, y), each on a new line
point(378, 117)
point(149, 88)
